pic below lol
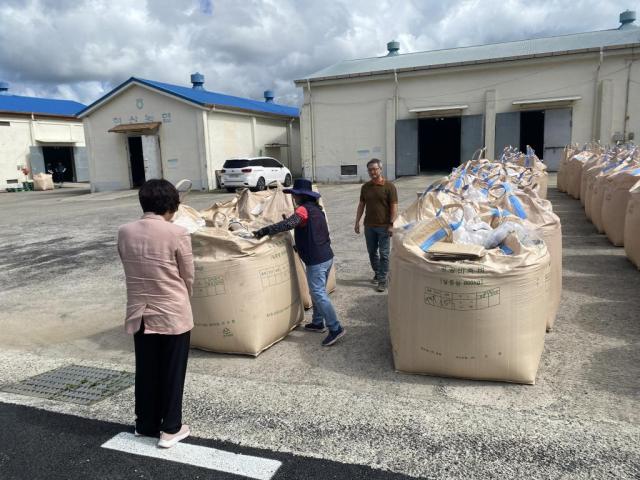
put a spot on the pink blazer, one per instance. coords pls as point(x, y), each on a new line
point(158, 266)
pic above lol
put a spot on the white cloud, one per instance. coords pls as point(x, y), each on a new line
point(81, 49)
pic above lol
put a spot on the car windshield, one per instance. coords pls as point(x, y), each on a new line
point(235, 163)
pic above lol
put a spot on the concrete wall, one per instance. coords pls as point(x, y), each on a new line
point(23, 133)
point(295, 149)
point(230, 136)
point(181, 136)
point(233, 135)
point(350, 121)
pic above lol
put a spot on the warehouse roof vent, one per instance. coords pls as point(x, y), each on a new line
point(626, 20)
point(393, 47)
point(197, 79)
point(4, 88)
point(268, 96)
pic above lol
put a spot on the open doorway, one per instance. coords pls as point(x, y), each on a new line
point(59, 161)
point(439, 143)
point(136, 160)
point(532, 131)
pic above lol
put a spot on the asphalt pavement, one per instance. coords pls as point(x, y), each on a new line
point(36, 444)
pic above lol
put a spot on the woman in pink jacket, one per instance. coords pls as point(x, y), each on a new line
point(158, 266)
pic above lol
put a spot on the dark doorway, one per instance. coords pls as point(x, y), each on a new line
point(532, 131)
point(439, 143)
point(59, 162)
point(136, 160)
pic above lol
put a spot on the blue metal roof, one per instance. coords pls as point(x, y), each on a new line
point(42, 106)
point(204, 98)
point(480, 53)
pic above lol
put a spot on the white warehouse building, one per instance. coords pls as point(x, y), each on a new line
point(40, 134)
point(145, 129)
point(430, 111)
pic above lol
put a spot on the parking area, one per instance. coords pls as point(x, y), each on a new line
point(62, 302)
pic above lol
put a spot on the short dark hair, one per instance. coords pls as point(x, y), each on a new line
point(158, 196)
point(376, 161)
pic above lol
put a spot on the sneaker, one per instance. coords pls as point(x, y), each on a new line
point(375, 280)
point(333, 337)
point(138, 434)
point(168, 440)
point(382, 286)
point(312, 327)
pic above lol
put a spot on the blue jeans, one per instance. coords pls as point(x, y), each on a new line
point(378, 240)
point(323, 311)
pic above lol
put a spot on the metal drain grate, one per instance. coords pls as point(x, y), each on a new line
point(74, 384)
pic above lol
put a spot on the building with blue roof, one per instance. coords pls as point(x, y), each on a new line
point(146, 129)
point(430, 111)
point(40, 135)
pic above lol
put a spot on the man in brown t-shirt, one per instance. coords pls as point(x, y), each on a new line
point(379, 199)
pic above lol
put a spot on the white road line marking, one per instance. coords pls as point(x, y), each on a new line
point(211, 458)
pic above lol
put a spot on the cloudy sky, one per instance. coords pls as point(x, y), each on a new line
point(80, 49)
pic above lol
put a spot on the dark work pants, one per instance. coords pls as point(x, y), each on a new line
point(161, 365)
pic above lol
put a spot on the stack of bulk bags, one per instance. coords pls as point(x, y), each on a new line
point(632, 226)
point(479, 316)
point(614, 205)
point(462, 303)
point(246, 293)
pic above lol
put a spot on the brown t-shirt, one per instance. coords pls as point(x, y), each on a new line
point(377, 199)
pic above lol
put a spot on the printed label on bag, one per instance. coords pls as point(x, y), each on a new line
point(209, 286)
point(462, 301)
point(275, 275)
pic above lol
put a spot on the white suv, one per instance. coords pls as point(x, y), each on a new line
point(255, 173)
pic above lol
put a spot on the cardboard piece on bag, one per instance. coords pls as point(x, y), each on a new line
point(632, 226)
point(455, 251)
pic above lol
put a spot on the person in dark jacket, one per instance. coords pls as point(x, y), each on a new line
point(314, 247)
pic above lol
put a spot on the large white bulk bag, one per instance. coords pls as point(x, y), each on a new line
point(43, 181)
point(632, 226)
point(480, 319)
point(614, 205)
point(246, 293)
point(245, 300)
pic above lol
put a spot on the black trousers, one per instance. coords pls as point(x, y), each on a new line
point(161, 365)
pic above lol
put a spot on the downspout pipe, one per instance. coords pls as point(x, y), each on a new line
point(395, 94)
point(313, 149)
point(596, 81)
point(626, 101)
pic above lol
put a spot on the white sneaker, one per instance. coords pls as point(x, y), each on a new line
point(168, 440)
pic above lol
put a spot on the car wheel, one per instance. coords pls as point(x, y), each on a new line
point(231, 190)
point(287, 180)
point(261, 185)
